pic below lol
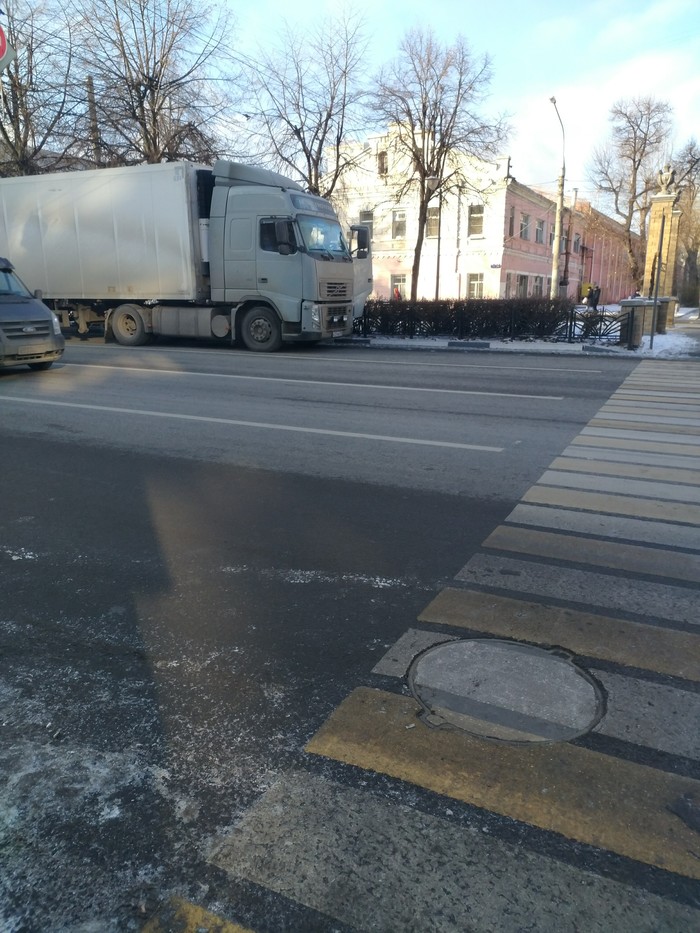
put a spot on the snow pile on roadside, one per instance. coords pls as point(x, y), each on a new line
point(669, 345)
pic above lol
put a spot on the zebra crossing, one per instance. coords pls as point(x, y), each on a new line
point(600, 560)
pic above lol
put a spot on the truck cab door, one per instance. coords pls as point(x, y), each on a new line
point(279, 267)
point(361, 251)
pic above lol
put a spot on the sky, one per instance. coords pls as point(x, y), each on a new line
point(588, 55)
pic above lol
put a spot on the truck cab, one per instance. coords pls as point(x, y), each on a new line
point(279, 257)
point(30, 334)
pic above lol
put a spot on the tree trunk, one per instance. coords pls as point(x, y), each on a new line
point(422, 215)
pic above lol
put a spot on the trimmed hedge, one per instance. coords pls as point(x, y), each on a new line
point(504, 318)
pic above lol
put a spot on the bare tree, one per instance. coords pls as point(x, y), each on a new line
point(157, 91)
point(305, 96)
point(431, 96)
point(687, 162)
point(36, 113)
point(625, 170)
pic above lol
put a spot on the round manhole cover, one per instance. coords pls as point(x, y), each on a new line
point(505, 691)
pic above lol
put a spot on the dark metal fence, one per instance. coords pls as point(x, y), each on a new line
point(498, 319)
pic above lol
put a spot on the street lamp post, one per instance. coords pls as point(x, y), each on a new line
point(556, 245)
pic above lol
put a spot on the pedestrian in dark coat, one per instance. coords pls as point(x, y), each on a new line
point(592, 297)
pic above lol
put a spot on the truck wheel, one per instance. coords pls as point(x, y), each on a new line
point(261, 329)
point(38, 367)
point(128, 327)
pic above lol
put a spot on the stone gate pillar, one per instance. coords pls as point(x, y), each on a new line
point(663, 205)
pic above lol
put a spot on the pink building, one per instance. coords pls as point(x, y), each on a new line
point(490, 238)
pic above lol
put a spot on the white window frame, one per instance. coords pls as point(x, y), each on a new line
point(432, 223)
point(475, 285)
point(475, 220)
point(398, 221)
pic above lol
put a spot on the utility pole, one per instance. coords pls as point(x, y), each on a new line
point(556, 245)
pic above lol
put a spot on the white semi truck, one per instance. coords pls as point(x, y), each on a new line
point(233, 252)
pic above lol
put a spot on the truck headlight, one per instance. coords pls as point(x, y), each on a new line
point(312, 315)
point(56, 325)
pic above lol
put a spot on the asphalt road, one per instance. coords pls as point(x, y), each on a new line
point(202, 554)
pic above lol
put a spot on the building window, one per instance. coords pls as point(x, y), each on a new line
point(524, 226)
point(577, 243)
point(509, 285)
point(476, 220)
point(398, 286)
point(432, 226)
point(522, 286)
point(511, 222)
point(538, 286)
point(382, 163)
point(475, 285)
point(398, 225)
point(539, 232)
point(551, 236)
point(367, 220)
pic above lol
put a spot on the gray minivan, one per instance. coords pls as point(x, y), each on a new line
point(30, 334)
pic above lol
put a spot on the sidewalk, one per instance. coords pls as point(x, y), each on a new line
point(682, 342)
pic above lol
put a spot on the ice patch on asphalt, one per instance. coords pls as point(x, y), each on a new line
point(297, 576)
point(18, 553)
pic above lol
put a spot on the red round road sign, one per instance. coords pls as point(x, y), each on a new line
point(3, 43)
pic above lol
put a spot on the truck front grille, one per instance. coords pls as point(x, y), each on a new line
point(335, 290)
point(336, 318)
point(23, 330)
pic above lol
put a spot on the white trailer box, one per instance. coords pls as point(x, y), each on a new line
point(106, 234)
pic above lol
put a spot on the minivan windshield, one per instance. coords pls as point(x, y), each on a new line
point(323, 236)
point(11, 285)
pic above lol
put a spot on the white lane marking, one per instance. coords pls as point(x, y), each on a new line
point(254, 424)
point(272, 358)
point(317, 382)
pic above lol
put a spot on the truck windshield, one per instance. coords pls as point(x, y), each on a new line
point(11, 285)
point(323, 236)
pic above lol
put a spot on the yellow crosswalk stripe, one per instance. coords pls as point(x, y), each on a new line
point(614, 504)
point(649, 427)
point(634, 470)
point(182, 916)
point(632, 644)
point(622, 443)
point(611, 554)
point(595, 799)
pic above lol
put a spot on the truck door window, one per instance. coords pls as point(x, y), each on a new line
point(268, 237)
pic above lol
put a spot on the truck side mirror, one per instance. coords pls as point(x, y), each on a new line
point(362, 239)
point(284, 243)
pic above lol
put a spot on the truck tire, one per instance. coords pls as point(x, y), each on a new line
point(128, 327)
point(39, 367)
point(261, 330)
